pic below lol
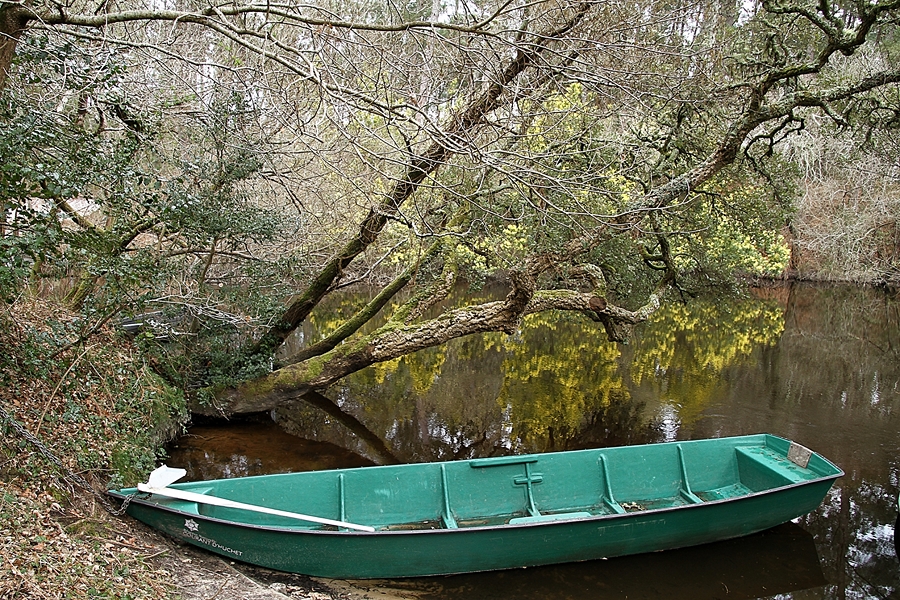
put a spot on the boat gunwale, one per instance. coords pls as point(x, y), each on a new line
point(462, 530)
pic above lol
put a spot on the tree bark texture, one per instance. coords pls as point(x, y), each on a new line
point(12, 24)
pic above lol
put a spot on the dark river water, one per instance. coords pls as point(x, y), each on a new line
point(819, 365)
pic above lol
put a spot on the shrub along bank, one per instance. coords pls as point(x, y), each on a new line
point(75, 414)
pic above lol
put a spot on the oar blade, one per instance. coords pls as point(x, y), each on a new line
point(163, 476)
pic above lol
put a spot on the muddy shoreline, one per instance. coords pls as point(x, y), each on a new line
point(200, 575)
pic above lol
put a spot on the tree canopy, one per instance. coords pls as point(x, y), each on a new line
point(244, 161)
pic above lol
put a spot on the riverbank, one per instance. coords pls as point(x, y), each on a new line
point(76, 417)
point(77, 549)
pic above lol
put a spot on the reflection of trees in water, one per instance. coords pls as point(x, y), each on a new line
point(831, 382)
point(853, 532)
point(680, 356)
point(842, 338)
point(442, 443)
point(620, 422)
point(425, 437)
point(556, 384)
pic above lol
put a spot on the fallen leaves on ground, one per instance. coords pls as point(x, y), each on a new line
point(47, 551)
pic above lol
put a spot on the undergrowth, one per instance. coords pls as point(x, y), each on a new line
point(100, 416)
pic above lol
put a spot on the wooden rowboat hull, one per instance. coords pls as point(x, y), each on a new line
point(502, 513)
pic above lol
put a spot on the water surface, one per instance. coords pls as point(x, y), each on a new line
point(819, 365)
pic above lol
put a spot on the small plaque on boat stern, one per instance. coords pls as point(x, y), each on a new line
point(799, 455)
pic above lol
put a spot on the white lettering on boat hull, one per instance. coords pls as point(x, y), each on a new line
point(190, 531)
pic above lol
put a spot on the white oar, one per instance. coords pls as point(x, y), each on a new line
point(163, 476)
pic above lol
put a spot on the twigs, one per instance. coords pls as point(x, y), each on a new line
point(66, 473)
point(84, 335)
point(62, 379)
point(205, 311)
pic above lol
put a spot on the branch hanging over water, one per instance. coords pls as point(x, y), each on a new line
point(363, 316)
point(295, 381)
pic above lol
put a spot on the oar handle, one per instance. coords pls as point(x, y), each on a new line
point(216, 501)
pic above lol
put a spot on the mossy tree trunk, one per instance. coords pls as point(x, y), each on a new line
point(398, 339)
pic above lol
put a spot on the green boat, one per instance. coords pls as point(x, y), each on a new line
point(492, 513)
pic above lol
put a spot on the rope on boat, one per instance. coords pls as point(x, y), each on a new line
point(73, 478)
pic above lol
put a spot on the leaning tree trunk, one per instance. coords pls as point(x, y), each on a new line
point(294, 381)
point(12, 24)
point(460, 125)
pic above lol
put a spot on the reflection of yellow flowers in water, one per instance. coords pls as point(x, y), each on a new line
point(705, 335)
point(683, 350)
point(557, 371)
point(424, 368)
point(425, 372)
point(383, 369)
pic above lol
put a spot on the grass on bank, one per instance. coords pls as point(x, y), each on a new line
point(96, 408)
